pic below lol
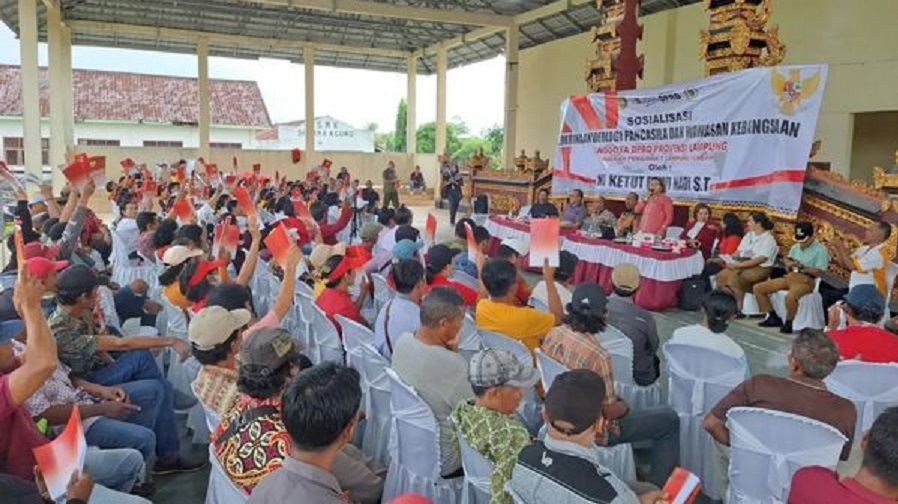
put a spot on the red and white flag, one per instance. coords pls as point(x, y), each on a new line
point(60, 458)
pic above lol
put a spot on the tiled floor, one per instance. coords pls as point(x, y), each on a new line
point(766, 351)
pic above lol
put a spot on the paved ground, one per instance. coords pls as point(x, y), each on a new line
point(766, 351)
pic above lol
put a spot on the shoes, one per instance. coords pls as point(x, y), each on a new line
point(145, 490)
point(772, 320)
point(786, 328)
point(739, 316)
point(177, 465)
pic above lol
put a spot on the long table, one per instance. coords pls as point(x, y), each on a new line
point(662, 272)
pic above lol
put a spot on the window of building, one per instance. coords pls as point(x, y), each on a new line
point(14, 150)
point(163, 143)
point(226, 145)
point(99, 142)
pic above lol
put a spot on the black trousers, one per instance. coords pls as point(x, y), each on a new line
point(453, 194)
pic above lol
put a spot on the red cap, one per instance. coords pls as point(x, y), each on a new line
point(41, 268)
point(411, 499)
point(38, 249)
point(203, 269)
point(358, 256)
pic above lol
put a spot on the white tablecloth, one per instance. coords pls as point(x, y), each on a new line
point(676, 268)
point(502, 232)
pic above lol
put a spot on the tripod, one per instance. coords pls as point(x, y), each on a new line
point(354, 225)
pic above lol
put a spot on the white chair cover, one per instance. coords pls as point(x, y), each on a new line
point(469, 342)
point(415, 448)
point(107, 307)
point(478, 471)
point(325, 343)
point(872, 387)
point(767, 447)
point(176, 320)
point(464, 278)
point(382, 291)
point(211, 417)
point(810, 309)
point(261, 288)
point(621, 349)
point(376, 442)
point(750, 305)
point(548, 368)
point(529, 410)
point(221, 489)
point(301, 314)
point(539, 304)
point(698, 378)
point(361, 332)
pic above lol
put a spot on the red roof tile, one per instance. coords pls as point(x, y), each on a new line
point(119, 96)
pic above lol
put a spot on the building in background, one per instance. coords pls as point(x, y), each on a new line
point(118, 109)
point(331, 135)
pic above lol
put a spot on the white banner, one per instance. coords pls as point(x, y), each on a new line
point(741, 138)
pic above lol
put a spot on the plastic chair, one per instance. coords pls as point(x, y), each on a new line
point(529, 410)
point(697, 379)
point(372, 366)
point(539, 304)
point(221, 489)
point(469, 341)
point(872, 387)
point(810, 309)
point(325, 342)
point(415, 448)
point(548, 368)
point(354, 335)
point(465, 279)
point(621, 349)
point(478, 472)
point(673, 233)
point(261, 289)
point(767, 447)
point(383, 293)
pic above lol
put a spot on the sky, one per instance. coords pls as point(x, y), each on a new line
point(475, 93)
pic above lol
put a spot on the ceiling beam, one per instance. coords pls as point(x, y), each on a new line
point(520, 20)
point(453, 16)
point(222, 39)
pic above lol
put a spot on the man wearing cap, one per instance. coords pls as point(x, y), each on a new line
point(215, 342)
point(636, 323)
point(862, 339)
point(405, 250)
point(487, 422)
point(500, 313)
point(807, 261)
point(428, 361)
point(565, 466)
point(564, 276)
point(174, 261)
point(577, 345)
point(369, 234)
point(401, 314)
point(439, 270)
point(329, 231)
point(339, 274)
point(461, 262)
point(370, 196)
point(391, 195)
point(321, 413)
point(868, 263)
point(252, 441)
point(513, 250)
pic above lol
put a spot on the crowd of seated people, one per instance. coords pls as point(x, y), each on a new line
point(285, 428)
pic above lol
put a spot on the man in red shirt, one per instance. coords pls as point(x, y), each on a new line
point(875, 483)
point(329, 231)
point(861, 339)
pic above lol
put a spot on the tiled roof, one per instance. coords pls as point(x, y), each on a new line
point(129, 97)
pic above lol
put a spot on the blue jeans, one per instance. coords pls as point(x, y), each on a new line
point(129, 366)
point(114, 469)
point(157, 412)
point(661, 426)
point(110, 433)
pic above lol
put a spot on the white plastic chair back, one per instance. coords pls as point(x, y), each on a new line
point(872, 387)
point(620, 348)
point(382, 291)
point(107, 307)
point(210, 416)
point(325, 343)
point(548, 368)
point(750, 305)
point(465, 279)
point(539, 304)
point(469, 341)
point(767, 447)
point(618, 459)
point(515, 497)
point(221, 489)
point(176, 320)
point(529, 410)
point(478, 471)
point(674, 232)
point(354, 335)
point(891, 274)
point(415, 448)
point(376, 441)
point(810, 309)
point(524, 211)
point(261, 288)
point(697, 379)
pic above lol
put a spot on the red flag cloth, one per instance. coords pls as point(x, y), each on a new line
point(682, 487)
point(182, 209)
point(244, 201)
point(327, 163)
point(211, 170)
point(227, 235)
point(61, 457)
point(180, 173)
point(472, 243)
point(302, 211)
point(430, 230)
point(544, 245)
point(278, 242)
point(296, 154)
point(257, 169)
point(127, 163)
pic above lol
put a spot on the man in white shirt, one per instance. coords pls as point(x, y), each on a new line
point(718, 310)
point(401, 314)
point(429, 362)
point(564, 276)
point(868, 264)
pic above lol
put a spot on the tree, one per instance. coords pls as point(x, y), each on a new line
point(399, 139)
point(371, 126)
point(495, 137)
point(426, 136)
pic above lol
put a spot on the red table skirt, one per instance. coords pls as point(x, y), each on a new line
point(654, 295)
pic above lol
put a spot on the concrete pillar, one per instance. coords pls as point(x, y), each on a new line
point(68, 94)
point(204, 118)
point(511, 95)
point(308, 56)
point(31, 113)
point(411, 106)
point(441, 100)
point(56, 75)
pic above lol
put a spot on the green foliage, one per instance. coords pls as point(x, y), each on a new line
point(398, 143)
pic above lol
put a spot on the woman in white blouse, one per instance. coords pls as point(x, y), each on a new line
point(718, 309)
point(753, 261)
